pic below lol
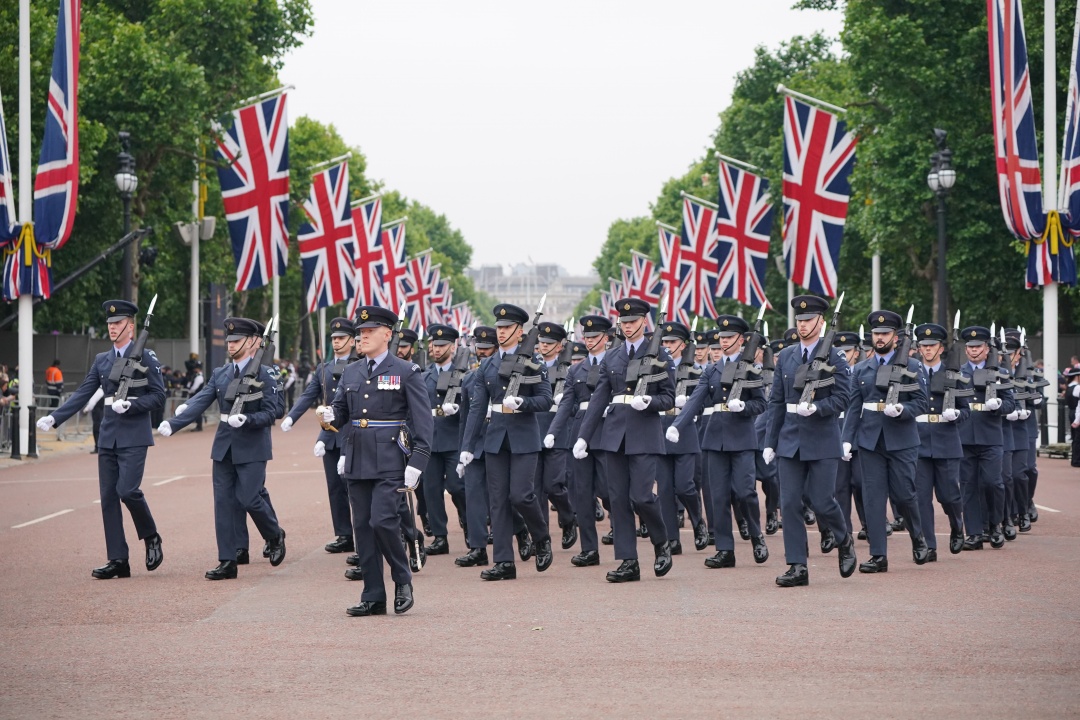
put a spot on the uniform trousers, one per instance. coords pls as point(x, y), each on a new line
point(675, 482)
point(940, 476)
point(630, 479)
point(120, 473)
point(376, 513)
point(888, 474)
point(551, 483)
point(441, 477)
point(770, 482)
point(338, 492)
point(849, 490)
point(980, 473)
point(816, 479)
point(511, 487)
point(1022, 460)
point(701, 480)
point(588, 482)
point(241, 519)
point(476, 503)
point(1007, 457)
point(239, 489)
point(731, 475)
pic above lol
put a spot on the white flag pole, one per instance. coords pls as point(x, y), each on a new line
point(26, 196)
point(1050, 289)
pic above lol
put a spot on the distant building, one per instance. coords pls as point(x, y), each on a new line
point(523, 285)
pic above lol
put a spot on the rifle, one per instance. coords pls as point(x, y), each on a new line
point(248, 387)
point(737, 376)
point(768, 360)
point(124, 369)
point(1024, 377)
point(448, 386)
point(819, 373)
point(687, 376)
point(949, 382)
point(395, 336)
point(514, 367)
point(861, 352)
point(562, 365)
point(895, 376)
point(648, 368)
point(996, 379)
point(421, 357)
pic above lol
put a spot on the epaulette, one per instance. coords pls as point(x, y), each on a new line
point(415, 367)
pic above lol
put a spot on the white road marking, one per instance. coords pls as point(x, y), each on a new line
point(42, 519)
point(169, 480)
point(97, 502)
point(1047, 509)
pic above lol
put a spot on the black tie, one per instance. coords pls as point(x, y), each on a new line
point(630, 356)
point(594, 361)
point(370, 367)
point(881, 361)
point(805, 356)
point(931, 374)
point(119, 354)
point(236, 370)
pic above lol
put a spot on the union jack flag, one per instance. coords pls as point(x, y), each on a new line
point(644, 281)
point(615, 292)
point(389, 292)
point(607, 305)
point(328, 241)
point(442, 300)
point(367, 226)
point(1061, 266)
point(672, 274)
point(9, 228)
point(698, 258)
point(461, 317)
point(744, 221)
point(819, 155)
point(255, 190)
point(418, 286)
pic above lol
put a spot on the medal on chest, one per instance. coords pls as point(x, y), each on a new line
point(389, 382)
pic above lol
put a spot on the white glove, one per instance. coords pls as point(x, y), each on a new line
point(641, 402)
point(806, 409)
point(46, 423)
point(1013, 416)
point(320, 449)
point(181, 408)
point(98, 394)
point(736, 405)
point(412, 477)
point(341, 465)
point(164, 429)
point(549, 441)
point(1036, 401)
point(581, 449)
point(237, 421)
point(460, 470)
point(121, 406)
point(951, 415)
point(894, 410)
point(556, 400)
point(993, 404)
point(327, 414)
point(680, 401)
point(768, 455)
point(449, 409)
point(512, 403)
point(846, 457)
point(672, 434)
point(286, 426)
point(465, 458)
point(1025, 414)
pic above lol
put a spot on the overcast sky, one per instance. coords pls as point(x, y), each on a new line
point(532, 127)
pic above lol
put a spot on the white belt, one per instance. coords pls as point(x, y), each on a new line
point(708, 411)
point(500, 408)
point(621, 399)
point(842, 414)
point(436, 412)
point(793, 407)
point(224, 417)
point(874, 406)
point(108, 401)
point(583, 406)
point(672, 411)
point(720, 407)
point(928, 418)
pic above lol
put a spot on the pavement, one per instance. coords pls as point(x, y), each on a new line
point(988, 634)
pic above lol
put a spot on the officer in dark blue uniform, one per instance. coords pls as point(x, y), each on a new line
point(475, 475)
point(375, 396)
point(441, 477)
point(766, 472)
point(588, 479)
point(888, 440)
point(551, 470)
point(240, 451)
point(849, 472)
point(731, 444)
point(940, 451)
point(511, 443)
point(632, 435)
point(806, 438)
point(320, 390)
point(122, 440)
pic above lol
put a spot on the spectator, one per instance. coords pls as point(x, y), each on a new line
point(54, 383)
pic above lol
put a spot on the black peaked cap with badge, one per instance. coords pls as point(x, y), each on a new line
point(552, 332)
point(807, 306)
point(341, 327)
point(578, 351)
point(700, 339)
point(976, 335)
point(930, 333)
point(117, 310)
point(630, 308)
point(507, 314)
point(240, 328)
point(676, 331)
point(884, 321)
point(407, 336)
point(442, 334)
point(731, 325)
point(845, 340)
point(712, 337)
point(373, 316)
point(593, 325)
point(484, 336)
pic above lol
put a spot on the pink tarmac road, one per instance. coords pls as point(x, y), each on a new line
point(990, 634)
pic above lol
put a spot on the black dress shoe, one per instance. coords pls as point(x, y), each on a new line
point(919, 550)
point(675, 546)
point(1025, 524)
point(876, 564)
point(1033, 513)
point(680, 518)
point(153, 552)
point(353, 560)
point(761, 551)
point(997, 538)
point(543, 555)
point(956, 541)
point(608, 538)
point(985, 535)
point(598, 513)
point(643, 531)
point(242, 557)
point(796, 576)
point(490, 539)
point(438, 546)
point(701, 536)
point(93, 450)
point(341, 544)
point(722, 559)
point(427, 528)
point(112, 569)
point(403, 599)
point(225, 571)
point(888, 530)
point(662, 564)
point(862, 534)
point(354, 573)
point(828, 541)
point(569, 535)
point(973, 542)
point(500, 571)
point(277, 550)
point(526, 547)
point(586, 558)
point(846, 551)
point(899, 524)
point(744, 530)
point(931, 555)
point(628, 571)
point(473, 558)
point(771, 523)
point(712, 540)
point(1009, 530)
point(367, 607)
point(808, 516)
point(266, 549)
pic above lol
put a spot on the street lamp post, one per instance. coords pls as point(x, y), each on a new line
point(127, 182)
point(941, 179)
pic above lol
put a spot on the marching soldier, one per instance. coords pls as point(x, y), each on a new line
point(849, 472)
point(374, 397)
point(731, 444)
point(888, 440)
point(632, 436)
point(551, 470)
point(321, 387)
point(711, 340)
point(1023, 459)
point(806, 438)
point(407, 343)
point(475, 475)
point(122, 440)
point(240, 451)
point(511, 443)
point(767, 472)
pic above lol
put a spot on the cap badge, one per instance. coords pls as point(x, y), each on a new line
point(547, 328)
point(972, 333)
point(669, 328)
point(588, 323)
point(803, 305)
point(881, 318)
point(401, 334)
point(363, 314)
point(483, 334)
point(626, 306)
point(439, 333)
point(503, 311)
point(231, 326)
point(928, 331)
point(112, 308)
point(337, 325)
point(725, 323)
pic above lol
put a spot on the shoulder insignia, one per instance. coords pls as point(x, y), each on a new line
point(273, 371)
point(415, 367)
point(151, 353)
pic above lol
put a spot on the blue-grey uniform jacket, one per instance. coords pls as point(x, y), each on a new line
point(520, 427)
point(320, 390)
point(807, 438)
point(447, 436)
point(467, 384)
point(983, 427)
point(939, 439)
point(864, 427)
point(580, 383)
point(725, 431)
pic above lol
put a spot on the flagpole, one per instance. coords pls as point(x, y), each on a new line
point(361, 201)
point(277, 298)
point(26, 196)
point(331, 161)
point(706, 203)
point(1050, 289)
point(322, 332)
point(264, 96)
point(783, 90)
point(739, 163)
